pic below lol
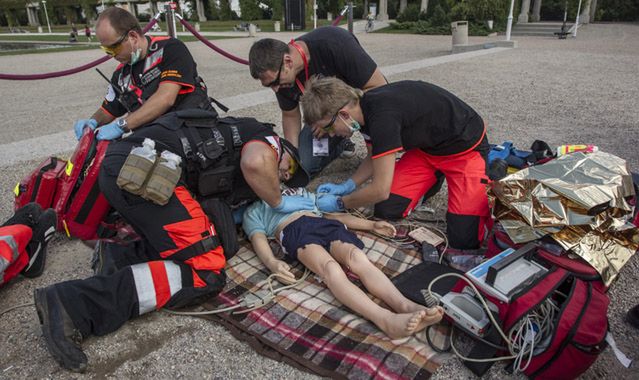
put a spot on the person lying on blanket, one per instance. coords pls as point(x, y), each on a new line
point(324, 245)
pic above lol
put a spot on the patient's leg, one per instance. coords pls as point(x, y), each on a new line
point(377, 283)
point(315, 258)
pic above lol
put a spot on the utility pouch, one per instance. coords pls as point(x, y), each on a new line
point(161, 182)
point(208, 152)
point(216, 180)
point(134, 173)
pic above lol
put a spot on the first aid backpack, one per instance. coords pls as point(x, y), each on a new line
point(40, 185)
point(70, 187)
point(80, 205)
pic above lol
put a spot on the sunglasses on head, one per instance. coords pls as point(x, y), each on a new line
point(276, 81)
point(114, 49)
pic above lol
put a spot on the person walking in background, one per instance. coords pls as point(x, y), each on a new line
point(87, 32)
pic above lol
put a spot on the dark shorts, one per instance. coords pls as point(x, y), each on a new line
point(312, 230)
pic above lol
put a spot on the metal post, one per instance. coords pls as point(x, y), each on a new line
point(350, 16)
point(509, 26)
point(170, 19)
point(46, 14)
point(574, 32)
point(314, 14)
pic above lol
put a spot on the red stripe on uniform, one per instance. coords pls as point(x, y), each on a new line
point(160, 283)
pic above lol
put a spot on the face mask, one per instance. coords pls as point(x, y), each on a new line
point(353, 126)
point(135, 56)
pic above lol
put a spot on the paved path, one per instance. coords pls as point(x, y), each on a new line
point(582, 90)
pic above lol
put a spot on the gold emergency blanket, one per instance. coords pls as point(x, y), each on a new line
point(580, 200)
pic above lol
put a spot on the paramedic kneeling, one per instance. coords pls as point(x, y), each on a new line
point(437, 131)
point(156, 75)
point(179, 259)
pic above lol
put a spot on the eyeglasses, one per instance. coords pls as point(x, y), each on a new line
point(328, 127)
point(114, 49)
point(276, 81)
point(292, 166)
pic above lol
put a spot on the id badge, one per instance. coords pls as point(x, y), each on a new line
point(320, 147)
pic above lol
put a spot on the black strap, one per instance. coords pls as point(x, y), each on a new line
point(203, 246)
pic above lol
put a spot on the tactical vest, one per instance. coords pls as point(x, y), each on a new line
point(212, 147)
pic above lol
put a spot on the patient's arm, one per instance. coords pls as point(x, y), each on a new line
point(265, 253)
point(355, 223)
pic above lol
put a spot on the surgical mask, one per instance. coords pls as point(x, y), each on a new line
point(135, 56)
point(353, 125)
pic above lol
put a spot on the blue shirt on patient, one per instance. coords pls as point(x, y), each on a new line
point(260, 217)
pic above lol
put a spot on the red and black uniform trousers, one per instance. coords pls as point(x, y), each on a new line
point(178, 262)
point(419, 175)
point(13, 251)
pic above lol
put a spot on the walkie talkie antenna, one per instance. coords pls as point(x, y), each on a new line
point(115, 88)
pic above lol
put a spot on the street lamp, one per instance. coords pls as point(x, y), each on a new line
point(46, 14)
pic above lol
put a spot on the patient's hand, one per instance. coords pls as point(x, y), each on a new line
point(282, 270)
point(384, 228)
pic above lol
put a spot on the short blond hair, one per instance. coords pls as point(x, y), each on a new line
point(324, 97)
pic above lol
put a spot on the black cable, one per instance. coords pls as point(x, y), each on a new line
point(476, 337)
point(430, 343)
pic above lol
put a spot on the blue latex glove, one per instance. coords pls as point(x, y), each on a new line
point(79, 125)
point(291, 203)
point(109, 131)
point(329, 203)
point(343, 188)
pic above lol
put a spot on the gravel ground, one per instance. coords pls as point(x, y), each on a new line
point(582, 90)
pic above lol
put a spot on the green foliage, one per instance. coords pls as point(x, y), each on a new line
point(481, 10)
point(278, 10)
point(439, 16)
point(427, 27)
point(459, 11)
point(618, 10)
point(212, 11)
point(225, 10)
point(250, 10)
point(411, 13)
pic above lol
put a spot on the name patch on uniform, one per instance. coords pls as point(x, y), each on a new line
point(150, 76)
point(171, 73)
point(110, 95)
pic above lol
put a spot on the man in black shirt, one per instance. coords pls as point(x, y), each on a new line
point(156, 75)
point(327, 51)
point(437, 131)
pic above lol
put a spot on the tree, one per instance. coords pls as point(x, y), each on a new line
point(250, 10)
point(225, 10)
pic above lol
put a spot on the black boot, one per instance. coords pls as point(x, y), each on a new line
point(62, 338)
point(632, 317)
point(27, 215)
point(43, 231)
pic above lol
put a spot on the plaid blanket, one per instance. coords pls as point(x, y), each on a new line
point(308, 328)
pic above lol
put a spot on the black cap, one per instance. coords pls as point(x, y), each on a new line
point(301, 177)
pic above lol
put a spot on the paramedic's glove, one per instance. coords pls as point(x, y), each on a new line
point(110, 131)
point(343, 188)
point(79, 125)
point(329, 203)
point(291, 203)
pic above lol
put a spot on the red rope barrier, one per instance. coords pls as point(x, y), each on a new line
point(337, 20)
point(62, 73)
point(209, 44)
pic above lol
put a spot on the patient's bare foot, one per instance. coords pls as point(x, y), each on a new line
point(402, 325)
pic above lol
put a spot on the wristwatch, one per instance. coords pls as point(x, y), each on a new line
point(123, 125)
point(340, 203)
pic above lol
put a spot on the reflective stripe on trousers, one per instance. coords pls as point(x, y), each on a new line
point(155, 283)
point(7, 257)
